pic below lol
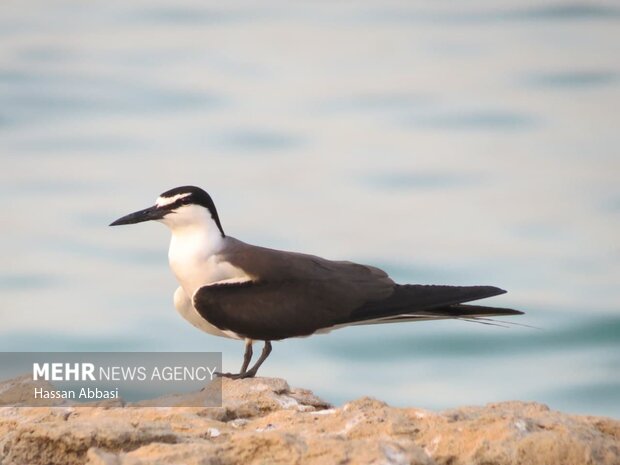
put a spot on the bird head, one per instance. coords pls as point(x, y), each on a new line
point(177, 208)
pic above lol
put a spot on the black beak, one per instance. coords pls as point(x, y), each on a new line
point(148, 214)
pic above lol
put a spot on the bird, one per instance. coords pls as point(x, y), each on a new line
point(232, 289)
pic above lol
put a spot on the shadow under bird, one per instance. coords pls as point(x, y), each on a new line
point(232, 289)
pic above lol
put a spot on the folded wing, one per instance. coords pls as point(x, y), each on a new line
point(296, 295)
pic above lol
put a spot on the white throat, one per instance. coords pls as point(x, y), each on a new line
point(195, 249)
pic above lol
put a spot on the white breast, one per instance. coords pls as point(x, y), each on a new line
point(196, 257)
point(196, 260)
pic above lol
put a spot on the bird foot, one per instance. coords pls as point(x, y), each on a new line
point(245, 374)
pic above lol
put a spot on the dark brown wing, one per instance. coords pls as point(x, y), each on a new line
point(292, 294)
point(270, 310)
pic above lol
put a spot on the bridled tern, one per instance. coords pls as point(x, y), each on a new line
point(232, 289)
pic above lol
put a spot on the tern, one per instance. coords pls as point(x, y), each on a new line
point(232, 289)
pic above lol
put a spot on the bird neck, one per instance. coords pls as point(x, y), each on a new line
point(192, 248)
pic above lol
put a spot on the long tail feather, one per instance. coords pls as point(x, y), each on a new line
point(471, 313)
point(430, 300)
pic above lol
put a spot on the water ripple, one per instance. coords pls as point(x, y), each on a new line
point(423, 181)
point(28, 96)
point(26, 281)
point(192, 15)
point(566, 12)
point(569, 11)
point(490, 120)
point(573, 79)
point(375, 102)
point(258, 140)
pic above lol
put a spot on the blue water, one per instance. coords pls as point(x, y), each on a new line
point(457, 144)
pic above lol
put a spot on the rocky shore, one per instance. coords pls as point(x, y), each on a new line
point(264, 421)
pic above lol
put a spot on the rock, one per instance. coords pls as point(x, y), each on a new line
point(263, 420)
point(17, 390)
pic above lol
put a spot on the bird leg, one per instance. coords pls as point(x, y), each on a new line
point(247, 358)
point(245, 373)
point(263, 356)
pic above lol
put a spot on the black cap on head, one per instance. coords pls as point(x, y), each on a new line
point(195, 196)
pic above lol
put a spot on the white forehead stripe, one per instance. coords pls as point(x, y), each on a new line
point(163, 201)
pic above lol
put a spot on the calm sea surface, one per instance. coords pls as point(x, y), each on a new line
point(446, 143)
